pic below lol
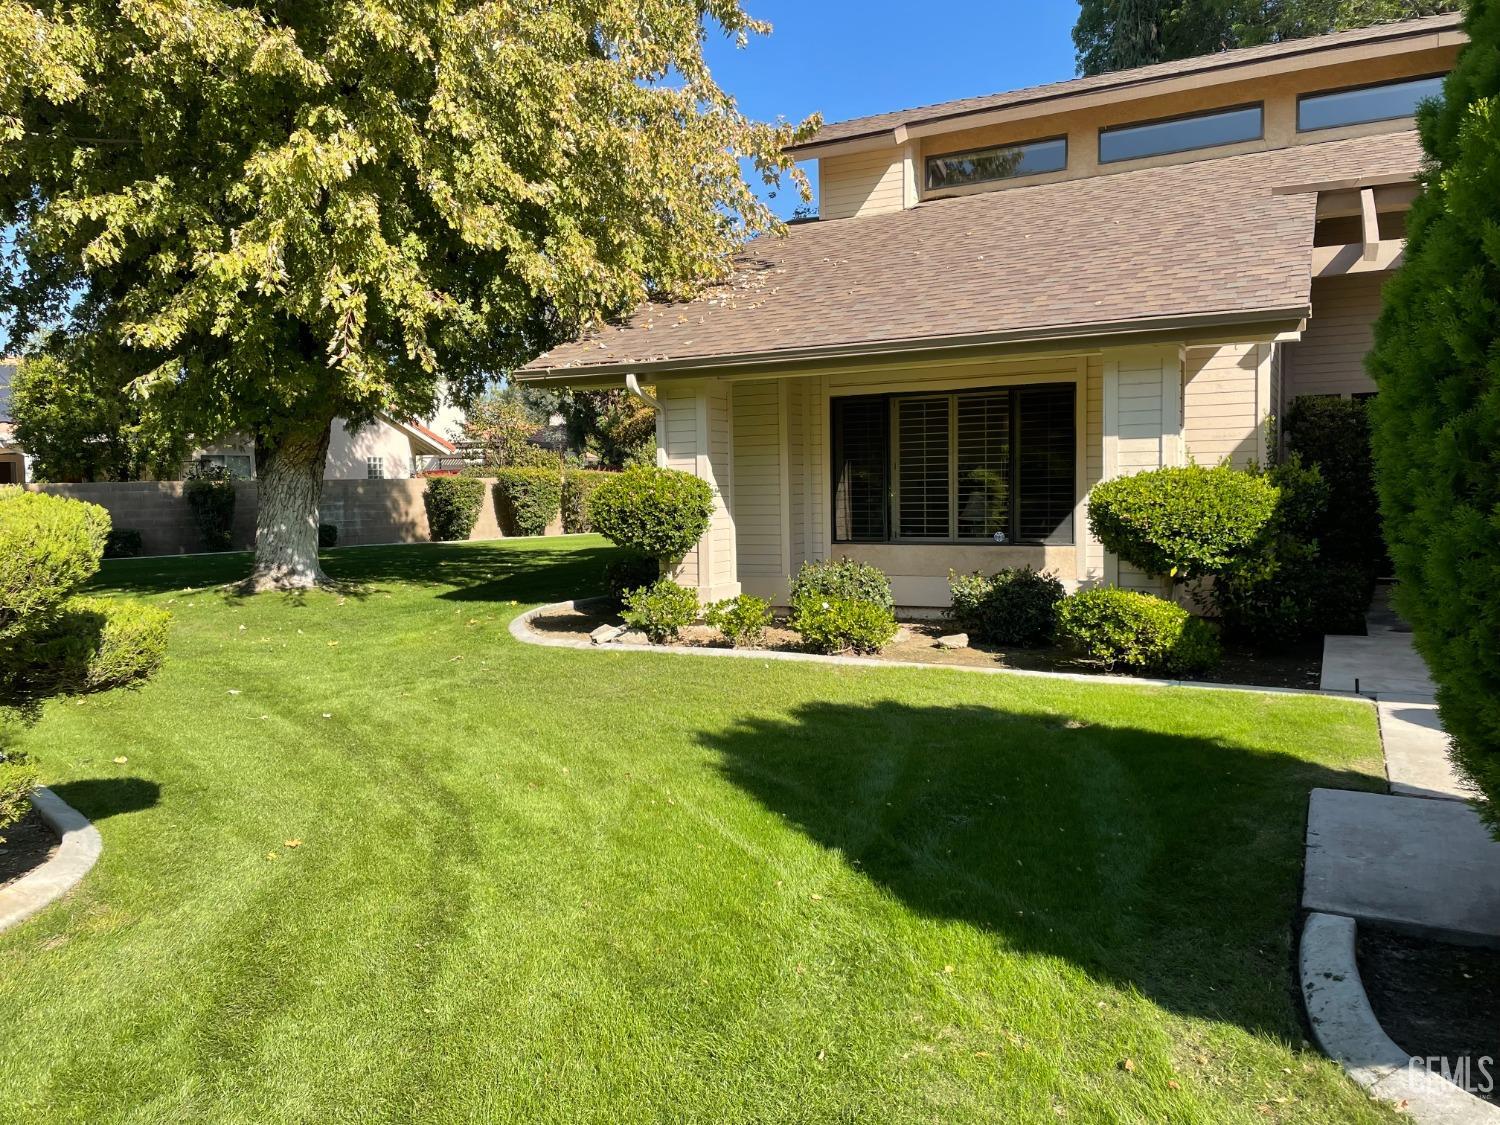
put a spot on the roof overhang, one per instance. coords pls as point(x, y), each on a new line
point(1188, 330)
point(1213, 71)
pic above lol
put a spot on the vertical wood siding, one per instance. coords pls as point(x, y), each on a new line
point(759, 491)
point(1224, 414)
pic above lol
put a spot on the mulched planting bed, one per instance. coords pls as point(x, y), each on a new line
point(917, 641)
point(1436, 999)
point(29, 843)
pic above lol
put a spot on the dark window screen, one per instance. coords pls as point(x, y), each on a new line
point(1047, 479)
point(860, 455)
point(922, 453)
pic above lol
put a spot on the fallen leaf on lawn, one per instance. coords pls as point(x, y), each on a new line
point(270, 855)
point(121, 760)
point(822, 1055)
point(326, 715)
point(1127, 1065)
point(947, 968)
point(292, 843)
point(817, 898)
point(1172, 1084)
point(333, 644)
point(234, 691)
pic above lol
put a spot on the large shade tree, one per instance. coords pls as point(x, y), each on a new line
point(1119, 34)
point(1437, 417)
point(273, 214)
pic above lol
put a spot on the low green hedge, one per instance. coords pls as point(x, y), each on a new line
point(49, 546)
point(212, 504)
point(577, 491)
point(1182, 523)
point(18, 780)
point(844, 579)
point(1017, 606)
point(742, 620)
point(123, 543)
point(527, 500)
point(833, 625)
point(1122, 628)
point(93, 644)
point(452, 506)
point(661, 611)
point(660, 513)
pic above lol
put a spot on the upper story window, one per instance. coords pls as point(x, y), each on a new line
point(1181, 134)
point(1003, 162)
point(375, 468)
point(1384, 102)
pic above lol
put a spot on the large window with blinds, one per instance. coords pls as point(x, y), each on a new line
point(993, 466)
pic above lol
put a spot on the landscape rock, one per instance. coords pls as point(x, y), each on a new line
point(954, 640)
point(606, 633)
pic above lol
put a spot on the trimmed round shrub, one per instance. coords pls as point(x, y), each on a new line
point(527, 500)
point(1125, 629)
point(49, 546)
point(123, 543)
point(834, 625)
point(741, 620)
point(1182, 523)
point(843, 579)
point(1016, 606)
point(661, 610)
point(94, 644)
point(328, 536)
point(211, 501)
point(629, 571)
point(18, 780)
point(578, 488)
point(660, 513)
point(452, 506)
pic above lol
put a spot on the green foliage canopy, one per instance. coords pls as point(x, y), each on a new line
point(1119, 34)
point(1437, 419)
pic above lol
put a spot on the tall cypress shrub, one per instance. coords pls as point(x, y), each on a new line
point(1437, 419)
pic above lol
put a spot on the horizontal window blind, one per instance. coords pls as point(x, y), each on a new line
point(984, 423)
point(922, 432)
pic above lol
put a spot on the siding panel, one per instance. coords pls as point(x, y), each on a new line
point(1330, 357)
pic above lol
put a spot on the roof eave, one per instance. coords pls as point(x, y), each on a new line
point(1187, 328)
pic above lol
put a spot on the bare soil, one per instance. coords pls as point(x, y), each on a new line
point(917, 641)
point(1436, 999)
point(29, 843)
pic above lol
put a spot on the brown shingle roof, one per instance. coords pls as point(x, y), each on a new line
point(1122, 79)
point(1062, 259)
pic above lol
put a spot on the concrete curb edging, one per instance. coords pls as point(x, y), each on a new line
point(76, 854)
point(1345, 1027)
point(521, 630)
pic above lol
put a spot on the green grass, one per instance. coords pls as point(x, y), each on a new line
point(551, 885)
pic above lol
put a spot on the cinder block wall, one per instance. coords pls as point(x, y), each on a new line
point(364, 511)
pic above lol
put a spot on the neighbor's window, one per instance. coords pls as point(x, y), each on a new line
point(375, 468)
point(995, 466)
point(1383, 102)
point(1181, 134)
point(1001, 163)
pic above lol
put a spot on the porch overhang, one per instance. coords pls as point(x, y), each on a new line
point(1187, 330)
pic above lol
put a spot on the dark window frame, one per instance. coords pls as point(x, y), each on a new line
point(1217, 111)
point(927, 163)
point(891, 468)
point(1355, 90)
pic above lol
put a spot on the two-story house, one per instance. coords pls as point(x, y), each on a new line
point(1006, 299)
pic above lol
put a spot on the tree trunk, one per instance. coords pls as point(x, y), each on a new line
point(286, 522)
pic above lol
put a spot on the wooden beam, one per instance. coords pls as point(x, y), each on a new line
point(1336, 261)
point(1371, 220)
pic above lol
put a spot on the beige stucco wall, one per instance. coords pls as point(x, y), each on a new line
point(1330, 357)
point(349, 451)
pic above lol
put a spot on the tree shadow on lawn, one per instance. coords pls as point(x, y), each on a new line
point(1165, 863)
point(492, 570)
point(100, 797)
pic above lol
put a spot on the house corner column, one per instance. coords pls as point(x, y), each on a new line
point(694, 437)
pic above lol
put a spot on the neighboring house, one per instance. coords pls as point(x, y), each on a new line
point(1009, 298)
point(386, 449)
point(13, 460)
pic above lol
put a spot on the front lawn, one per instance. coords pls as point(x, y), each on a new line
point(549, 885)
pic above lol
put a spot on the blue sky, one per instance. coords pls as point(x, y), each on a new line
point(845, 58)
